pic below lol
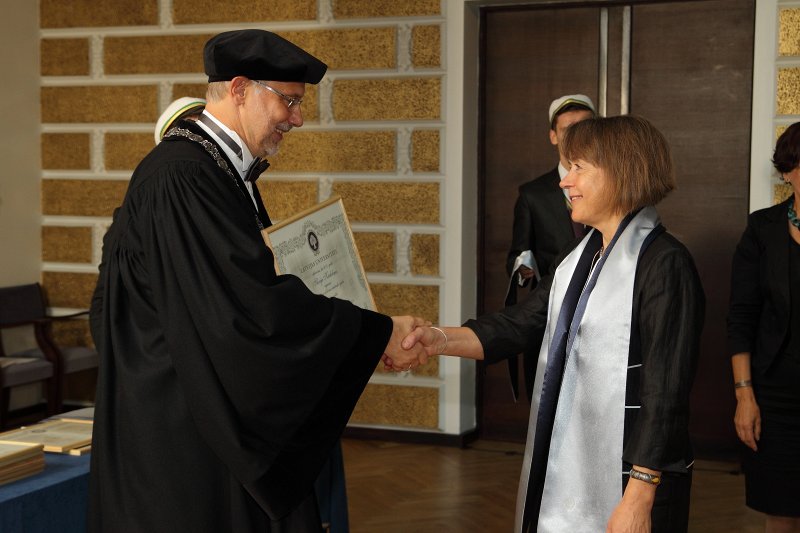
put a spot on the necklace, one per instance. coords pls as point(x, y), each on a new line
point(597, 255)
point(596, 259)
point(793, 216)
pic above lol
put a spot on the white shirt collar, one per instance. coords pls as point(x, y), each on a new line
point(241, 164)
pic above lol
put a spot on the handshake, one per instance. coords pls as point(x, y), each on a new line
point(413, 340)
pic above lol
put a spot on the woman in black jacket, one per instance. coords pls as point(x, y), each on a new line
point(764, 340)
point(608, 442)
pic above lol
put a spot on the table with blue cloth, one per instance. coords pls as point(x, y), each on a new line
point(52, 500)
point(55, 500)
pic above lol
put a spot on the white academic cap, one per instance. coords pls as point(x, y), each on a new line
point(575, 99)
point(178, 109)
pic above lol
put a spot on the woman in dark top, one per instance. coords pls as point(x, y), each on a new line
point(764, 338)
point(623, 311)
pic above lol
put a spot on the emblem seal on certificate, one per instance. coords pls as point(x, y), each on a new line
point(317, 246)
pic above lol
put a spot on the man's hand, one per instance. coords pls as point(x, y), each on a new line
point(395, 356)
point(525, 272)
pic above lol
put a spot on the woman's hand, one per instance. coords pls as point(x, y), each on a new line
point(747, 418)
point(632, 514)
point(628, 519)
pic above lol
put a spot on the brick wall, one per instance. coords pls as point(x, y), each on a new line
point(788, 83)
point(373, 134)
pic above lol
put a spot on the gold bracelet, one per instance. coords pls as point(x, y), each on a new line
point(440, 330)
point(742, 384)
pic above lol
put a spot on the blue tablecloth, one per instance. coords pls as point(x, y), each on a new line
point(53, 501)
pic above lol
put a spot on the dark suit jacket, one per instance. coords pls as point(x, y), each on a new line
point(667, 318)
point(758, 318)
point(541, 222)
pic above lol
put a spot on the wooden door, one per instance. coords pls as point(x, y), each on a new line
point(689, 71)
point(527, 61)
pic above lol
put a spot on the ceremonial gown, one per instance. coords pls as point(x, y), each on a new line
point(222, 386)
point(667, 312)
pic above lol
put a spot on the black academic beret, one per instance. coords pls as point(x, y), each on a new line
point(259, 55)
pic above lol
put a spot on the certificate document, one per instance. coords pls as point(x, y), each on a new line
point(56, 436)
point(317, 246)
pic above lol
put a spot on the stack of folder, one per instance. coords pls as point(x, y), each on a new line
point(59, 436)
point(20, 460)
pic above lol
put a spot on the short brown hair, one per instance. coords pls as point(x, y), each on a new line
point(634, 155)
point(787, 150)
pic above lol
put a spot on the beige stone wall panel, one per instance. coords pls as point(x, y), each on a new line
point(69, 289)
point(154, 54)
point(336, 151)
point(789, 32)
point(397, 405)
point(387, 99)
point(349, 49)
point(385, 8)
point(310, 105)
point(401, 299)
point(124, 151)
point(123, 103)
point(410, 203)
point(67, 244)
point(425, 151)
point(788, 91)
point(782, 192)
point(64, 57)
point(283, 199)
point(426, 46)
point(376, 250)
point(91, 13)
point(66, 151)
point(195, 90)
point(91, 198)
point(425, 255)
point(211, 11)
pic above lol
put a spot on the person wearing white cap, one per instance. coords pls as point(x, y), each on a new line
point(223, 386)
point(542, 224)
point(183, 108)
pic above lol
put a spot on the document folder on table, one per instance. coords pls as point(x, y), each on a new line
point(20, 460)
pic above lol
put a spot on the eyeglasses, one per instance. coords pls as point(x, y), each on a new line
point(291, 101)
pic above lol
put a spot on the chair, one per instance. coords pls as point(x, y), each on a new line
point(24, 305)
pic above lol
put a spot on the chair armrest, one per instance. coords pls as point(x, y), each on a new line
point(69, 316)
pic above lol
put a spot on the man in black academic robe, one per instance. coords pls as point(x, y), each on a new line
point(222, 385)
